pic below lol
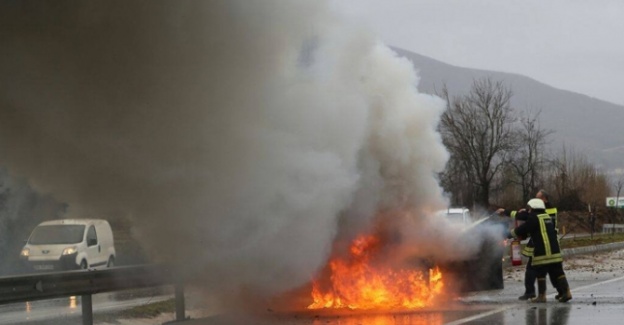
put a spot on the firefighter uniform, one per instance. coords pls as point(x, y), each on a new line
point(547, 258)
point(522, 216)
point(529, 247)
point(530, 275)
point(552, 212)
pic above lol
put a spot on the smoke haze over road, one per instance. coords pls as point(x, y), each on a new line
point(239, 136)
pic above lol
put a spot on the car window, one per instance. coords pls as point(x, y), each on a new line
point(57, 234)
point(91, 236)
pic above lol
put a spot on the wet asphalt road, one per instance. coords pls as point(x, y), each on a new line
point(69, 310)
point(601, 302)
point(597, 283)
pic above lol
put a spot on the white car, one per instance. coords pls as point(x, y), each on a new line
point(483, 271)
point(70, 244)
point(457, 215)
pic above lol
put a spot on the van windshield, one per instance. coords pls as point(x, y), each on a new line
point(57, 234)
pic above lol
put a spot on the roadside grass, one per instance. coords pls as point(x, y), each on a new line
point(571, 241)
point(149, 310)
point(574, 241)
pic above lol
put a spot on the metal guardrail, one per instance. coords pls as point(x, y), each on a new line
point(612, 227)
point(86, 283)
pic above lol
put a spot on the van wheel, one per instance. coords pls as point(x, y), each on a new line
point(111, 262)
point(83, 265)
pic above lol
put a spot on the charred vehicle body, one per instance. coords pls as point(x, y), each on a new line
point(483, 270)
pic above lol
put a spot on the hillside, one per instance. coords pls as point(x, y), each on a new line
point(590, 125)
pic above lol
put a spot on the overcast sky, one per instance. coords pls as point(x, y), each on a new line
point(576, 45)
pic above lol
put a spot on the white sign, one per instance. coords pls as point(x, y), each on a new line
point(611, 202)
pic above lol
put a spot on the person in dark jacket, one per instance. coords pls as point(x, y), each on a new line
point(547, 258)
point(530, 275)
point(550, 209)
point(552, 212)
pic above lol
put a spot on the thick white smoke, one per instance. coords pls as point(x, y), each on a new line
point(238, 135)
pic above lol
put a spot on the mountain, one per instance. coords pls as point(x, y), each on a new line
point(589, 125)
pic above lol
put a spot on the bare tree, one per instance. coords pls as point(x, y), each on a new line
point(577, 182)
point(457, 182)
point(618, 184)
point(477, 130)
point(528, 159)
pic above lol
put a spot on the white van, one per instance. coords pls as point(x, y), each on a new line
point(70, 244)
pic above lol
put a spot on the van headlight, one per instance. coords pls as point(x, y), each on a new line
point(25, 252)
point(69, 250)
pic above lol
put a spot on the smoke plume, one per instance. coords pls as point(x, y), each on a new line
point(242, 137)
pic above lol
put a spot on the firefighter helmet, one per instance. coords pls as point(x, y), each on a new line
point(536, 204)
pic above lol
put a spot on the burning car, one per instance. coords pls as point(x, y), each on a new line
point(360, 281)
point(370, 276)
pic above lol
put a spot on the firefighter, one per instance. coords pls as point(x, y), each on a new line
point(530, 274)
point(552, 212)
point(547, 258)
point(550, 209)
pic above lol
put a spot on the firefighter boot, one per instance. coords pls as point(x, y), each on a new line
point(527, 296)
point(541, 291)
point(564, 289)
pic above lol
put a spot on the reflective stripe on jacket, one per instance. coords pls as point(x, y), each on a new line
point(527, 250)
point(552, 212)
point(542, 232)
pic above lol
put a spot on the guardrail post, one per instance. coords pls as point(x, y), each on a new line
point(179, 302)
point(87, 310)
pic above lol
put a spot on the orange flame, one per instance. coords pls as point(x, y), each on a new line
point(358, 284)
